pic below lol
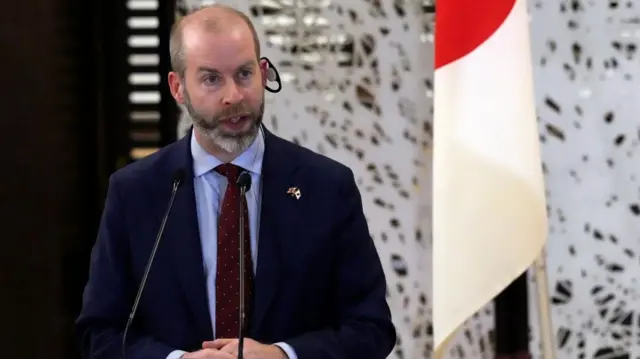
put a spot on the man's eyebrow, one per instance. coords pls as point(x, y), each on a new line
point(245, 65)
point(207, 69)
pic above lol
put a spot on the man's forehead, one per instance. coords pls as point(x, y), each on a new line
point(198, 36)
point(213, 20)
point(220, 51)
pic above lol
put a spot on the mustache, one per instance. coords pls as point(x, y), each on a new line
point(239, 109)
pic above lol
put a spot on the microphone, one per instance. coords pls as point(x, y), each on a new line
point(244, 182)
point(178, 175)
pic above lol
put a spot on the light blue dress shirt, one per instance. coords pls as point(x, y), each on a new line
point(209, 189)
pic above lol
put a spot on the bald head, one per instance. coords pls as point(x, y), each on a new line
point(210, 19)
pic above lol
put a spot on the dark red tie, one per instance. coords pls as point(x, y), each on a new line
point(228, 268)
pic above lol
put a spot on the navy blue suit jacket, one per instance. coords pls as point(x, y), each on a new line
point(319, 284)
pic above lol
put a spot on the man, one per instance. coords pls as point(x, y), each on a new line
point(314, 283)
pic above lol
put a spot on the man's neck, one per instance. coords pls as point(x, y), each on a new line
point(215, 150)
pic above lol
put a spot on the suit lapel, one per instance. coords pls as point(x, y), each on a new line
point(183, 235)
point(278, 171)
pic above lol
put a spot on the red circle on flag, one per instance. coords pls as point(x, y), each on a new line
point(463, 25)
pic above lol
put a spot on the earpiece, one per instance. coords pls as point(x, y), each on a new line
point(273, 76)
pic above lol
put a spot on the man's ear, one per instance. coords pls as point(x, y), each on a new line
point(176, 87)
point(264, 70)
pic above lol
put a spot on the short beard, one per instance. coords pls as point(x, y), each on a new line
point(226, 142)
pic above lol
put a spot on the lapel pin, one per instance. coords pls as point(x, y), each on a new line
point(295, 192)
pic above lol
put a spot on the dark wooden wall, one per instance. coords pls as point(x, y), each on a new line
point(49, 186)
point(65, 126)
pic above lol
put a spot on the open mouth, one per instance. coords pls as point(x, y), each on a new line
point(236, 122)
point(236, 119)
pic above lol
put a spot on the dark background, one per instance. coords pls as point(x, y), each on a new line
point(67, 124)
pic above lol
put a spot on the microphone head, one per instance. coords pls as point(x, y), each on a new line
point(244, 181)
point(178, 175)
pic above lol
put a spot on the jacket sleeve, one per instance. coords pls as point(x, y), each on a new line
point(109, 293)
point(364, 328)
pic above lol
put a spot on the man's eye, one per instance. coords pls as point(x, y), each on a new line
point(245, 74)
point(211, 79)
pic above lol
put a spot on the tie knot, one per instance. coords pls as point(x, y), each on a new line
point(230, 171)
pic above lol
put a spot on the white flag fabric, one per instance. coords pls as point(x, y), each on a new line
point(489, 210)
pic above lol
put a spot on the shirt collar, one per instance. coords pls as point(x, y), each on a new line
point(250, 160)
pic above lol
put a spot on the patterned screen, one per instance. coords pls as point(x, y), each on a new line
point(588, 94)
point(358, 88)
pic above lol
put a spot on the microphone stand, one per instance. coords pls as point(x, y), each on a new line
point(178, 175)
point(243, 190)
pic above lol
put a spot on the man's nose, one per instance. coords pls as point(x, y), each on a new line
point(232, 94)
